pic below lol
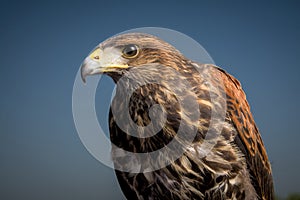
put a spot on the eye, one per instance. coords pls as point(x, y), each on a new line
point(130, 51)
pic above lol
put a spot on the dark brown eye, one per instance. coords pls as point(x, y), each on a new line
point(130, 51)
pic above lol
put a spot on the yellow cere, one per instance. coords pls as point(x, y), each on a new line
point(95, 54)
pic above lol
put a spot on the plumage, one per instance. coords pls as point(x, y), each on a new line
point(237, 166)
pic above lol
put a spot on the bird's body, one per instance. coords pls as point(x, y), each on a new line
point(236, 167)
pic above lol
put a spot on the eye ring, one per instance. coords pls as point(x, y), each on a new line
point(130, 51)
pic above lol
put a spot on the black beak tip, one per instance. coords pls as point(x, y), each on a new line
point(83, 79)
point(83, 73)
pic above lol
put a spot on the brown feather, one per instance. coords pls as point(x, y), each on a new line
point(255, 151)
point(237, 167)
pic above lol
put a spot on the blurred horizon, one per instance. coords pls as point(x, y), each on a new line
point(44, 43)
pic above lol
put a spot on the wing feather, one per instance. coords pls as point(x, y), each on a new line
point(248, 138)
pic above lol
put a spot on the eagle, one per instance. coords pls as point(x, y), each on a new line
point(158, 86)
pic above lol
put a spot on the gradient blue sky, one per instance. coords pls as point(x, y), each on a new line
point(42, 45)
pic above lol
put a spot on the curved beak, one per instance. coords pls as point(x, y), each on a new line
point(89, 67)
point(91, 64)
point(97, 62)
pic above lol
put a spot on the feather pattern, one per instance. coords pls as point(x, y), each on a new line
point(236, 167)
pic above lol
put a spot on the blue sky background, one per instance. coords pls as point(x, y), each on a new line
point(42, 45)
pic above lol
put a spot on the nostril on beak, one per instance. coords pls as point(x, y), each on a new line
point(96, 57)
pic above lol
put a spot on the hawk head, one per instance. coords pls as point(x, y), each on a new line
point(119, 53)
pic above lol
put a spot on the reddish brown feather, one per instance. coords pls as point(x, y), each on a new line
point(247, 143)
point(248, 132)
